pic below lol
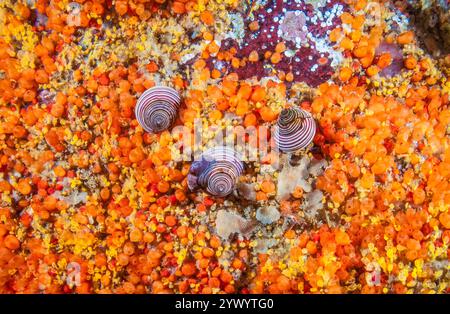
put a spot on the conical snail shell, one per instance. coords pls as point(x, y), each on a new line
point(217, 171)
point(157, 108)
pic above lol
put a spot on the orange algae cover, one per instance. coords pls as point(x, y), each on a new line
point(266, 146)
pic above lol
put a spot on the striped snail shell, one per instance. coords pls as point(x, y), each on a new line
point(217, 171)
point(295, 129)
point(197, 167)
point(192, 182)
point(157, 108)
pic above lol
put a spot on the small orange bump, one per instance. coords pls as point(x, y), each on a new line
point(410, 62)
point(253, 56)
point(345, 74)
point(405, 38)
point(253, 26)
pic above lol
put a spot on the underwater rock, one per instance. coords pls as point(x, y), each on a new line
point(396, 53)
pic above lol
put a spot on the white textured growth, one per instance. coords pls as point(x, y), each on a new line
point(267, 214)
point(228, 223)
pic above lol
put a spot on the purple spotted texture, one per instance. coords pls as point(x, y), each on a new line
point(298, 25)
point(396, 53)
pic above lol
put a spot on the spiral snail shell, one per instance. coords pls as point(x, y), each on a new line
point(217, 171)
point(157, 108)
point(295, 129)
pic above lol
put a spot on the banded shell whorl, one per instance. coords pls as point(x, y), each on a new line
point(295, 130)
point(157, 108)
point(217, 171)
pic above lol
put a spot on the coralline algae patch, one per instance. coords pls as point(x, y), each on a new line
point(288, 39)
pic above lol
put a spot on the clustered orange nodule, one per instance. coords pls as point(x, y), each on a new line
point(388, 179)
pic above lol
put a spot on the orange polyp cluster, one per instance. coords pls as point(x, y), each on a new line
point(380, 135)
point(81, 182)
point(339, 179)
